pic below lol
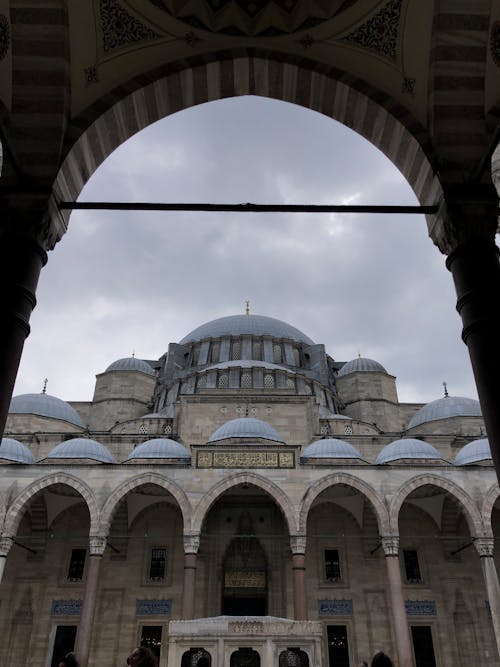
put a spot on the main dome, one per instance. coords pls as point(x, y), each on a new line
point(238, 325)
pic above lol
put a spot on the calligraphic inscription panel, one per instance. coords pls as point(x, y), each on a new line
point(235, 579)
point(245, 459)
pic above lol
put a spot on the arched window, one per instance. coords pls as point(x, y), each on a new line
point(245, 657)
point(293, 657)
point(257, 350)
point(215, 353)
point(246, 380)
point(236, 351)
point(278, 357)
point(223, 382)
point(268, 381)
point(196, 657)
point(296, 356)
point(202, 382)
point(290, 383)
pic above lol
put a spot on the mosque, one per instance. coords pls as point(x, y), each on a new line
point(248, 500)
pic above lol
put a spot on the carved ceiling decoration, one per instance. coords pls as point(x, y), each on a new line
point(380, 32)
point(120, 28)
point(4, 36)
point(260, 18)
point(495, 43)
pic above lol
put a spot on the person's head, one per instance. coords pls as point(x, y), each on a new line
point(380, 659)
point(142, 657)
point(69, 660)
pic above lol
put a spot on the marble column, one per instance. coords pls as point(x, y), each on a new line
point(401, 633)
point(97, 545)
point(475, 268)
point(5, 546)
point(191, 546)
point(485, 547)
point(21, 260)
point(298, 547)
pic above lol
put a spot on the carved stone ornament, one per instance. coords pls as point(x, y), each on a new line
point(390, 545)
point(298, 544)
point(485, 546)
point(380, 32)
point(97, 545)
point(5, 545)
point(191, 544)
point(120, 28)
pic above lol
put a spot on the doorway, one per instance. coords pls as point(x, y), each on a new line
point(423, 648)
point(338, 647)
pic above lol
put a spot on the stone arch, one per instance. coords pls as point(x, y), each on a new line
point(487, 508)
point(470, 509)
point(349, 480)
point(119, 494)
point(279, 497)
point(15, 511)
point(143, 100)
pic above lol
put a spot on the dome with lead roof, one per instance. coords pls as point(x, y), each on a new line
point(361, 365)
point(45, 405)
point(131, 364)
point(445, 408)
point(81, 448)
point(15, 451)
point(407, 448)
point(246, 427)
point(330, 448)
point(474, 452)
point(239, 325)
point(159, 448)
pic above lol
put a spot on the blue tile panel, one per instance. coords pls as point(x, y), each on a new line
point(420, 607)
point(66, 607)
point(152, 607)
point(335, 607)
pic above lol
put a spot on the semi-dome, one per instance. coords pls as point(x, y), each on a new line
point(81, 448)
point(444, 408)
point(45, 405)
point(246, 427)
point(361, 364)
point(15, 451)
point(331, 448)
point(407, 448)
point(474, 452)
point(159, 448)
point(131, 364)
point(238, 325)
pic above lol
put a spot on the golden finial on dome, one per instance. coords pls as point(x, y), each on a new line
point(247, 307)
point(44, 390)
point(445, 385)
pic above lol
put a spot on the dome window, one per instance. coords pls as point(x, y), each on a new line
point(202, 382)
point(246, 381)
point(277, 354)
point(290, 383)
point(268, 381)
point(236, 351)
point(223, 382)
point(296, 356)
point(347, 429)
point(257, 351)
point(215, 353)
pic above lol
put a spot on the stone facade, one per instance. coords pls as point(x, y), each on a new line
point(246, 518)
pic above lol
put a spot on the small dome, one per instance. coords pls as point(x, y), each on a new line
point(474, 452)
point(159, 448)
point(131, 364)
point(407, 448)
point(81, 448)
point(444, 408)
point(13, 450)
point(361, 364)
point(45, 405)
point(238, 325)
point(330, 448)
point(246, 427)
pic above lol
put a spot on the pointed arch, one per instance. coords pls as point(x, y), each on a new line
point(18, 507)
point(348, 480)
point(469, 507)
point(156, 479)
point(273, 490)
point(487, 509)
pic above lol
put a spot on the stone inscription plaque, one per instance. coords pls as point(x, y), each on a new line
point(236, 579)
point(420, 607)
point(66, 607)
point(335, 607)
point(152, 607)
point(245, 459)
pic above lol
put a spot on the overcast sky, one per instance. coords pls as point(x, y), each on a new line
point(133, 282)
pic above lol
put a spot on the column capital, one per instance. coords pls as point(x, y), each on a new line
point(390, 545)
point(97, 545)
point(485, 546)
point(191, 543)
point(298, 544)
point(6, 543)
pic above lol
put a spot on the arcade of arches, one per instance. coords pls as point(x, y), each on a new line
point(302, 494)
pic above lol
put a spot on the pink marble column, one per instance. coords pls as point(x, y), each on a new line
point(485, 548)
point(191, 545)
point(298, 547)
point(400, 624)
point(97, 546)
point(5, 546)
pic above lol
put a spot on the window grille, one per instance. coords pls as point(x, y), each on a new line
point(202, 382)
point(268, 381)
point(332, 565)
point(236, 351)
point(307, 389)
point(76, 564)
point(277, 354)
point(223, 382)
point(290, 383)
point(347, 429)
point(246, 381)
point(158, 564)
point(143, 429)
point(168, 429)
point(257, 351)
point(412, 566)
